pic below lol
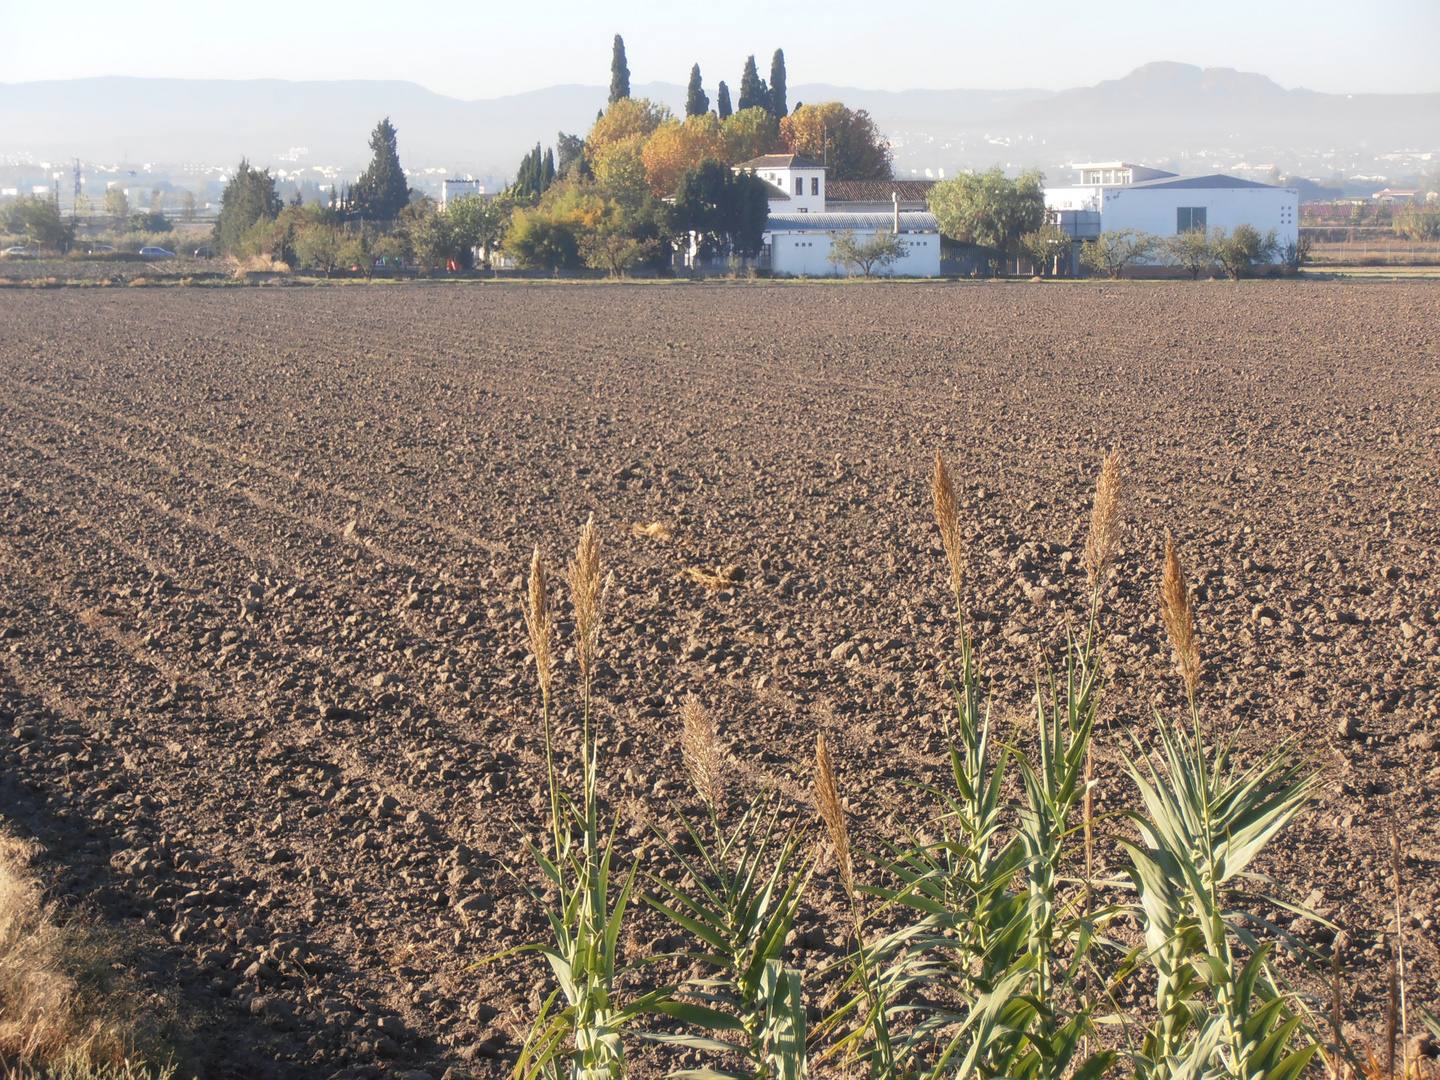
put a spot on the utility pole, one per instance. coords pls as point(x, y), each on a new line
point(79, 182)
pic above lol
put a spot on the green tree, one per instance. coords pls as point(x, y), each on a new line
point(619, 72)
point(570, 157)
point(748, 134)
point(535, 173)
point(697, 102)
point(40, 222)
point(479, 224)
point(1046, 248)
point(753, 91)
point(614, 244)
point(727, 211)
point(381, 191)
point(881, 250)
point(1242, 249)
point(432, 238)
point(187, 207)
point(117, 204)
point(320, 245)
point(778, 106)
point(990, 211)
point(248, 198)
point(1111, 252)
point(1418, 224)
point(846, 140)
point(1189, 249)
point(722, 101)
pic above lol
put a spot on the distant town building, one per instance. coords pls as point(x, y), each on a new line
point(1394, 195)
point(450, 190)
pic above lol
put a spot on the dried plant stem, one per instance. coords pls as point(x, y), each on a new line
point(1105, 522)
point(1335, 1012)
point(1391, 1008)
point(947, 516)
point(540, 622)
point(1395, 862)
point(583, 577)
point(703, 759)
point(1177, 609)
point(827, 802)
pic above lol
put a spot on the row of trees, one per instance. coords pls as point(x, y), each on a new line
point(1237, 252)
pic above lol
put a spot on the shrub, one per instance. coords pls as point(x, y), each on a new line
point(1241, 250)
point(1111, 252)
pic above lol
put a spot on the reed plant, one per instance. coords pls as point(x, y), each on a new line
point(738, 900)
point(981, 940)
point(581, 1039)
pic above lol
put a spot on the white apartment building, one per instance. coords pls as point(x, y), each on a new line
point(799, 182)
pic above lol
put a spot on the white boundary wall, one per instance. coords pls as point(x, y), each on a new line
point(807, 254)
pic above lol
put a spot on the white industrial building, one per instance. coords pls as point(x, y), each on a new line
point(1112, 196)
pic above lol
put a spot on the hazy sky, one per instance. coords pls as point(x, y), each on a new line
point(477, 50)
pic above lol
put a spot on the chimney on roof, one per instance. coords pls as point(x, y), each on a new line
point(895, 198)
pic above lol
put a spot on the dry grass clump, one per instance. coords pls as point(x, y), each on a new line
point(52, 1021)
point(37, 1015)
point(259, 264)
point(1177, 608)
point(723, 578)
point(656, 530)
point(583, 576)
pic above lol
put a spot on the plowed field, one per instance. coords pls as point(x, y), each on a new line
point(264, 683)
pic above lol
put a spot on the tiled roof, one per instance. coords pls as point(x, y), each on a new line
point(780, 161)
point(877, 190)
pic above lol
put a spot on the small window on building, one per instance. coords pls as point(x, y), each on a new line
point(799, 185)
point(814, 185)
point(1189, 219)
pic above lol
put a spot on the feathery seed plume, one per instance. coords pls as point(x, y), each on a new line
point(540, 622)
point(827, 802)
point(1177, 608)
point(583, 577)
point(947, 516)
point(1105, 520)
point(702, 755)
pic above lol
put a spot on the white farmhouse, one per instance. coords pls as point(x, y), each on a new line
point(1111, 196)
point(800, 244)
point(799, 183)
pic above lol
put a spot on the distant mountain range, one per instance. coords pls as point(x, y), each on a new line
point(1167, 114)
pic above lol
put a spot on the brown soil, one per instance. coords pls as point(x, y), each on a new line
point(263, 677)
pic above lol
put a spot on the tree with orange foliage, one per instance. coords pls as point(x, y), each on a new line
point(675, 147)
point(846, 140)
point(625, 118)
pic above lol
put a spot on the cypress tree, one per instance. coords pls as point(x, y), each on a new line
point(619, 72)
point(722, 101)
point(381, 192)
point(697, 102)
point(547, 177)
point(249, 197)
point(753, 91)
point(777, 85)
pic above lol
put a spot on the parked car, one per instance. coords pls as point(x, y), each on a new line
point(149, 251)
point(102, 249)
point(204, 253)
point(18, 253)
